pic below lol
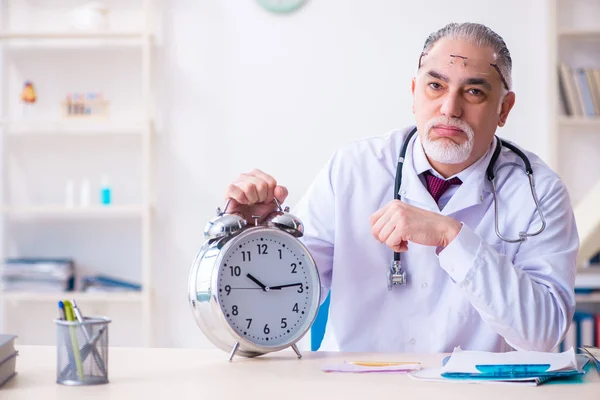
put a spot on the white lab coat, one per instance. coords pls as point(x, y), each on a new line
point(480, 293)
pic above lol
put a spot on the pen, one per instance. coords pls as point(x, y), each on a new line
point(76, 353)
point(63, 316)
point(85, 351)
point(382, 363)
point(61, 311)
point(93, 349)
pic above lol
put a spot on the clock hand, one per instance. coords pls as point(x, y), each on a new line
point(284, 286)
point(259, 283)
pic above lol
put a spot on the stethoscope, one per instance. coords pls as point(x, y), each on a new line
point(397, 275)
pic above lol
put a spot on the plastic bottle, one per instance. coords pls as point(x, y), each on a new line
point(105, 191)
point(69, 193)
point(84, 193)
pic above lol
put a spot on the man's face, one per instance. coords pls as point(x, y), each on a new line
point(459, 99)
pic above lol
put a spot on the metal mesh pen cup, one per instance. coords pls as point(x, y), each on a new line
point(82, 351)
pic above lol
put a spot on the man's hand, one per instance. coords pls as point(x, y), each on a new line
point(252, 194)
point(398, 223)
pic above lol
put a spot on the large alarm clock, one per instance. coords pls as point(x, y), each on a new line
point(254, 287)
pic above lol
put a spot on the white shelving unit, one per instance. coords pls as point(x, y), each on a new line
point(30, 37)
point(575, 140)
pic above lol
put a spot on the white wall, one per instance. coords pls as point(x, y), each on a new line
point(242, 88)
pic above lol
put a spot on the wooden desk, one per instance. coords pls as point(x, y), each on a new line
point(206, 374)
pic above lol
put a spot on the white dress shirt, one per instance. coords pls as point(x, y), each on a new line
point(479, 293)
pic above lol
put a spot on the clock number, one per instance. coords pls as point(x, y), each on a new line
point(235, 271)
point(293, 268)
point(301, 289)
point(249, 322)
point(283, 323)
point(295, 309)
point(244, 254)
point(280, 254)
point(266, 330)
point(234, 310)
point(262, 249)
point(228, 289)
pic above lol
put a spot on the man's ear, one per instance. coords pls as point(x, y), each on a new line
point(507, 104)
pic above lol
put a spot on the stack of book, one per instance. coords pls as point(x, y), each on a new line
point(38, 275)
point(8, 358)
point(579, 90)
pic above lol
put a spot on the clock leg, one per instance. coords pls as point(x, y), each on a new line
point(234, 350)
point(297, 351)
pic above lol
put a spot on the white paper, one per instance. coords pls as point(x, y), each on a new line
point(351, 367)
point(465, 361)
point(435, 375)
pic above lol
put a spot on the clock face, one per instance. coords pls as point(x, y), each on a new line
point(281, 6)
point(268, 288)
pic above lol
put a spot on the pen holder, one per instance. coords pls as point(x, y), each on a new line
point(82, 351)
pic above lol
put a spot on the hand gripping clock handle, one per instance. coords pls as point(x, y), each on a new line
point(229, 201)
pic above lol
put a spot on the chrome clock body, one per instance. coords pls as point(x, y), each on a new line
point(264, 320)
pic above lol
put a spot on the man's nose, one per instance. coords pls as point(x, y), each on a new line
point(452, 106)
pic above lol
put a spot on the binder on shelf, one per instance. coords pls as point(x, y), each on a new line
point(38, 275)
point(103, 283)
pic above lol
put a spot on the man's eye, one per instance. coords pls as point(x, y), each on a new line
point(475, 92)
point(435, 85)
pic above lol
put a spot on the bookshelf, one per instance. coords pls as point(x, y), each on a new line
point(14, 298)
point(44, 148)
point(575, 135)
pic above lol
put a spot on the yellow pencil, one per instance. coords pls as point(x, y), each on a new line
point(382, 363)
point(71, 317)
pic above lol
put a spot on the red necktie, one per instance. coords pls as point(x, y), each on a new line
point(437, 186)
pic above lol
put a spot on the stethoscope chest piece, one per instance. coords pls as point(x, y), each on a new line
point(396, 275)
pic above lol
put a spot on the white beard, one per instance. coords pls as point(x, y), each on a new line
point(446, 151)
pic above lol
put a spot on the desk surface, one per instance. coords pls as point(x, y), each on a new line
point(206, 374)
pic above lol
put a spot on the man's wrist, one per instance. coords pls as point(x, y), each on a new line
point(450, 232)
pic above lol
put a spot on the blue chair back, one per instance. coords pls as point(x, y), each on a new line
point(318, 327)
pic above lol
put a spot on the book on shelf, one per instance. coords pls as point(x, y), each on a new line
point(579, 91)
point(584, 331)
point(38, 275)
point(8, 358)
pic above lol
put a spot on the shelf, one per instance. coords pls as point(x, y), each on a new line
point(80, 297)
point(72, 128)
point(58, 211)
point(592, 122)
point(580, 33)
point(587, 298)
point(52, 40)
point(70, 35)
point(588, 278)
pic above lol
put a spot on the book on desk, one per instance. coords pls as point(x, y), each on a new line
point(8, 358)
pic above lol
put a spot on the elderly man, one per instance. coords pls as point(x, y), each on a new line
point(430, 263)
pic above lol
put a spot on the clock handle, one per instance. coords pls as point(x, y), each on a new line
point(220, 213)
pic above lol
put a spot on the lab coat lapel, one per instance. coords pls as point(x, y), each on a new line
point(469, 194)
point(412, 188)
point(474, 189)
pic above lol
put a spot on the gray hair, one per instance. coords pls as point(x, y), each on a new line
point(481, 36)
